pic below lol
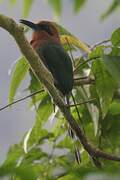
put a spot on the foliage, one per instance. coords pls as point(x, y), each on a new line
point(57, 6)
point(113, 6)
point(46, 153)
point(18, 75)
point(51, 153)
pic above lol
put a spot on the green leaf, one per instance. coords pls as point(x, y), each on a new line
point(105, 85)
point(113, 66)
point(113, 6)
point(81, 172)
point(44, 111)
point(57, 6)
point(115, 108)
point(36, 99)
point(33, 154)
point(59, 127)
point(26, 172)
point(18, 74)
point(12, 2)
point(15, 152)
point(66, 143)
point(27, 4)
point(91, 110)
point(115, 38)
point(66, 37)
point(111, 132)
point(35, 86)
point(62, 30)
point(97, 52)
point(78, 4)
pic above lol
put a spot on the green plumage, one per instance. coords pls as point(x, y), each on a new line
point(59, 64)
point(52, 53)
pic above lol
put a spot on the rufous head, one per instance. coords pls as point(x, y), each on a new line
point(42, 31)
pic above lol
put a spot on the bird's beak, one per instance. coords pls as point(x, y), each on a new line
point(29, 24)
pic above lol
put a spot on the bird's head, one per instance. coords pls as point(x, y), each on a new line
point(42, 31)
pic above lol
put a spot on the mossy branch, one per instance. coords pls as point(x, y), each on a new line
point(46, 78)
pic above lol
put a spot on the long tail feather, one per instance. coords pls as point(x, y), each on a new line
point(73, 137)
point(80, 119)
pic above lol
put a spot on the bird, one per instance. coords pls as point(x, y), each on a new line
point(46, 42)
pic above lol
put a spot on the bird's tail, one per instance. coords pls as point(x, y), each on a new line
point(80, 119)
point(72, 134)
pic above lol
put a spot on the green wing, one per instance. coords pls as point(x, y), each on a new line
point(59, 64)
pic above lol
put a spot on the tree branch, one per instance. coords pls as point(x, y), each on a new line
point(46, 78)
point(80, 82)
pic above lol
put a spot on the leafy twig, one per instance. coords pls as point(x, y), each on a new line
point(90, 59)
point(100, 43)
point(70, 51)
point(86, 61)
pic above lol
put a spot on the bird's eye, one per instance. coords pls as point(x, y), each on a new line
point(46, 28)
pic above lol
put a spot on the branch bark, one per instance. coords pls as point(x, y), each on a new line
point(46, 78)
point(80, 82)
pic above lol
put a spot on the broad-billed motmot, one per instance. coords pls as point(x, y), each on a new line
point(46, 42)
